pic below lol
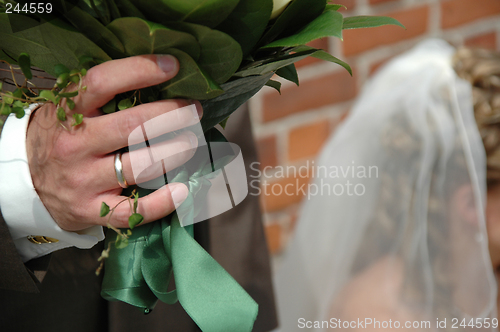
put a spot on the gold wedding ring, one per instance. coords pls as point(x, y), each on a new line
point(119, 171)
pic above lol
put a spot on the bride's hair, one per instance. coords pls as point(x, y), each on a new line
point(482, 69)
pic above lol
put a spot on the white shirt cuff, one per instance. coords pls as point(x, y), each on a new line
point(22, 209)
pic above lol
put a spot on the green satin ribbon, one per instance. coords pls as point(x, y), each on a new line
point(139, 274)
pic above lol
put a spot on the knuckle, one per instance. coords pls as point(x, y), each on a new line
point(95, 81)
point(120, 217)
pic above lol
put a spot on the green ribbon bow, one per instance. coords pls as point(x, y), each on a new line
point(139, 274)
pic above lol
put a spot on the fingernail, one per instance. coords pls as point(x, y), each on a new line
point(199, 109)
point(193, 140)
point(179, 193)
point(167, 63)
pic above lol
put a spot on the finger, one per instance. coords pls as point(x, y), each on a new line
point(112, 132)
point(110, 78)
point(152, 207)
point(147, 163)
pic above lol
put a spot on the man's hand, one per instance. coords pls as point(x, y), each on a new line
point(73, 171)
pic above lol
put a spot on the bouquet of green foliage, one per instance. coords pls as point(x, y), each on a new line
point(227, 49)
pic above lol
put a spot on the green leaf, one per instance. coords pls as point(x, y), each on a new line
point(334, 7)
point(5, 109)
point(128, 9)
point(323, 55)
point(70, 103)
point(134, 220)
point(83, 60)
point(223, 123)
point(296, 15)
point(25, 63)
point(77, 119)
point(64, 46)
point(356, 22)
point(328, 24)
point(275, 85)
point(110, 106)
point(48, 95)
point(104, 209)
point(124, 104)
point(247, 23)
point(289, 73)
point(191, 82)
point(273, 65)
point(96, 32)
point(236, 93)
point(7, 98)
point(220, 55)
point(62, 80)
point(68, 94)
point(60, 69)
point(1, 85)
point(143, 37)
point(208, 13)
point(121, 241)
point(19, 111)
point(61, 114)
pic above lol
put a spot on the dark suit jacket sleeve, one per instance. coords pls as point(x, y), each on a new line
point(14, 274)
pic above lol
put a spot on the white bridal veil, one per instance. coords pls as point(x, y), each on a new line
point(396, 236)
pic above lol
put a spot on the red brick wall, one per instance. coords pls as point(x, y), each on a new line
point(292, 128)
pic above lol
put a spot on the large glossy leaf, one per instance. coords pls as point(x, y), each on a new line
point(356, 22)
point(47, 44)
point(272, 65)
point(328, 24)
point(97, 8)
point(191, 81)
point(220, 55)
point(95, 31)
point(236, 93)
point(289, 73)
point(127, 9)
point(323, 55)
point(205, 12)
point(143, 37)
point(247, 23)
point(296, 15)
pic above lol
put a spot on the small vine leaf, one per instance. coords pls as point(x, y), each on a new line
point(78, 119)
point(18, 93)
point(68, 94)
point(19, 111)
point(5, 109)
point(134, 220)
point(70, 103)
point(104, 209)
point(110, 107)
point(124, 104)
point(129, 232)
point(48, 95)
point(83, 72)
point(75, 79)
point(61, 114)
point(60, 69)
point(24, 62)
point(84, 59)
point(121, 241)
point(62, 80)
point(7, 98)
